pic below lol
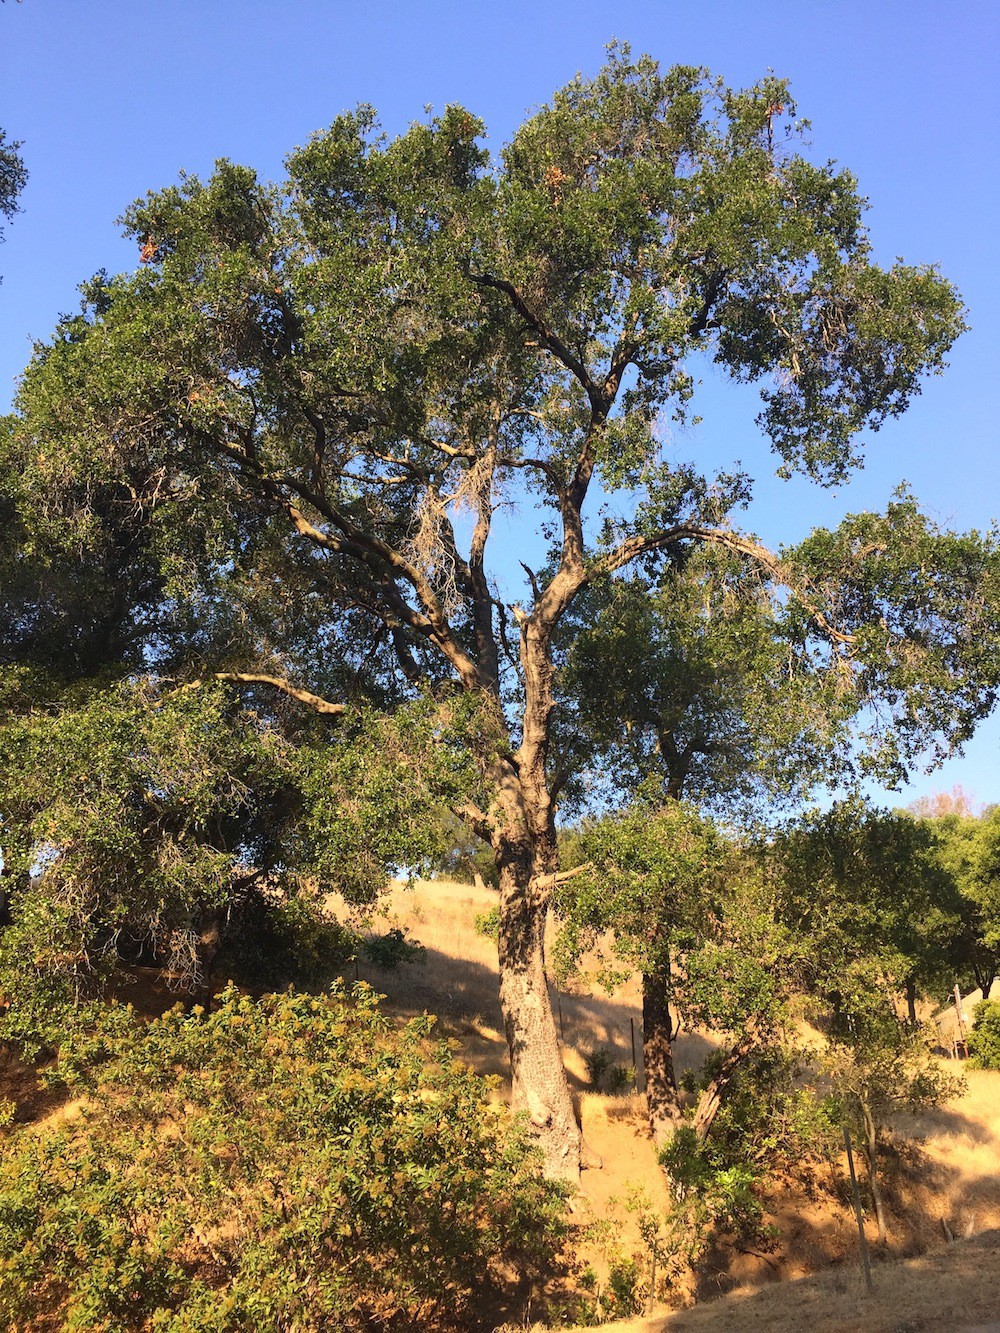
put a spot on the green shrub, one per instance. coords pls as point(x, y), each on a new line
point(297, 1162)
point(984, 1039)
point(388, 951)
point(598, 1063)
point(488, 923)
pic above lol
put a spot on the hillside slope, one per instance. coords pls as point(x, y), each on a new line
point(949, 1172)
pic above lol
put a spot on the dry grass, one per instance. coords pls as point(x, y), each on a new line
point(953, 1174)
point(812, 1280)
point(954, 1289)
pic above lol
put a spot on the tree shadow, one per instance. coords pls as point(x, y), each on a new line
point(464, 997)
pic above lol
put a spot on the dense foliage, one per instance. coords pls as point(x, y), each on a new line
point(179, 827)
point(984, 1039)
point(274, 453)
point(291, 1163)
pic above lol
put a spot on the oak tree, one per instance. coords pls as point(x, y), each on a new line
point(314, 397)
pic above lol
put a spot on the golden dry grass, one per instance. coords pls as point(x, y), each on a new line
point(951, 1290)
point(955, 1174)
point(812, 1280)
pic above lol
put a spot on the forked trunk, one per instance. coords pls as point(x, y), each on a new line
point(871, 1161)
point(539, 1085)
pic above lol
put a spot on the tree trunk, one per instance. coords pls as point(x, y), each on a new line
point(662, 1105)
point(713, 1096)
point(539, 1085)
point(871, 1161)
point(524, 845)
point(911, 999)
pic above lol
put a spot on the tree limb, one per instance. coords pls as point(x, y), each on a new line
point(313, 701)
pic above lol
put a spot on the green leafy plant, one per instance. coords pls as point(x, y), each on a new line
point(488, 923)
point(598, 1063)
point(297, 1161)
point(984, 1039)
point(388, 951)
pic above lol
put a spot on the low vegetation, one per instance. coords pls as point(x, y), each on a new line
point(296, 1162)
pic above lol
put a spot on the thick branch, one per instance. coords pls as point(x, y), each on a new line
point(631, 549)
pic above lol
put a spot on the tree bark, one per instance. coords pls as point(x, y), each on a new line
point(911, 999)
point(713, 1096)
point(538, 1078)
point(662, 1105)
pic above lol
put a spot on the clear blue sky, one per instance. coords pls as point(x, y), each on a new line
point(112, 99)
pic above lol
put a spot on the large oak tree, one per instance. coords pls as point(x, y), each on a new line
point(312, 398)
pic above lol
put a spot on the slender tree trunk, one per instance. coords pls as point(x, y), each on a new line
point(713, 1096)
point(871, 1161)
point(662, 1105)
point(911, 999)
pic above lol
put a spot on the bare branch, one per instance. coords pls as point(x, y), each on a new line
point(313, 701)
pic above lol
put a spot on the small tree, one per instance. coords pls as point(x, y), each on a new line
point(984, 1039)
point(667, 889)
point(878, 1065)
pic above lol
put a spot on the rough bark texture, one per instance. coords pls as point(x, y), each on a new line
point(538, 1078)
point(526, 852)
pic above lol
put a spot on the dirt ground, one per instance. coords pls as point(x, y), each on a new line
point(949, 1176)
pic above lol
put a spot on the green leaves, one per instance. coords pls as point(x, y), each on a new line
point(295, 1161)
point(167, 823)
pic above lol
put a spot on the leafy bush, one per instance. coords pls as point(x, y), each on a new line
point(388, 951)
point(488, 923)
point(296, 1162)
point(709, 1197)
point(984, 1039)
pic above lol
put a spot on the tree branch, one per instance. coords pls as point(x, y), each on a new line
point(313, 701)
point(635, 546)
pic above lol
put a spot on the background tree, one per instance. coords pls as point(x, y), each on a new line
point(968, 849)
point(315, 396)
point(864, 887)
point(666, 896)
point(695, 680)
point(13, 177)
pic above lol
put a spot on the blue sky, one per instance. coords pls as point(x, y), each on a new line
point(112, 99)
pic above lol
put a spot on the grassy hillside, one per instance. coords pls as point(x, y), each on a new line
point(944, 1178)
point(946, 1175)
